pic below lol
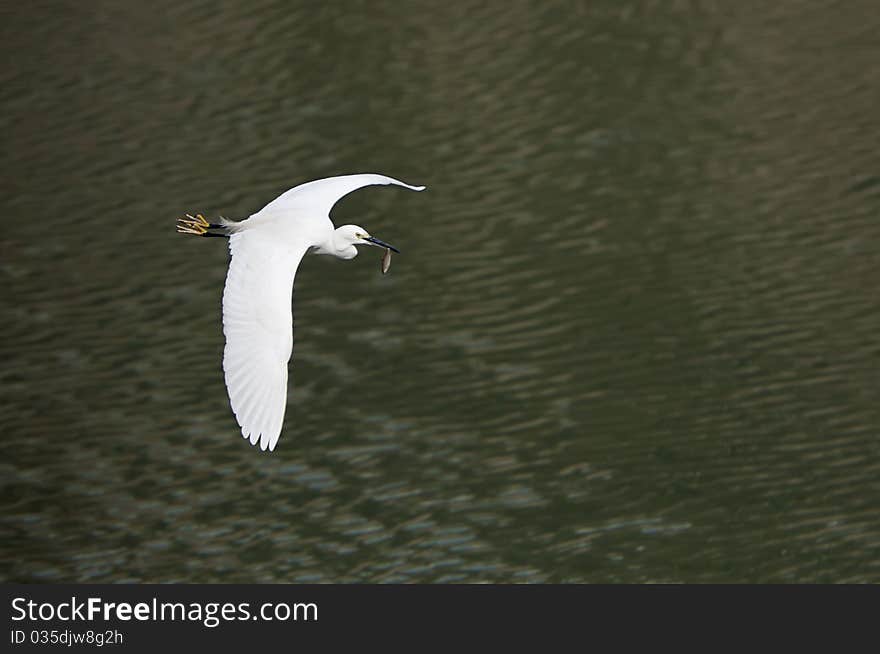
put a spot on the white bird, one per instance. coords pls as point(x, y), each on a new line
point(266, 249)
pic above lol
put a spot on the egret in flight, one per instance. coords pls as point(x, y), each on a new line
point(266, 249)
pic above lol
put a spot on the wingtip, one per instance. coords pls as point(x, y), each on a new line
point(258, 439)
point(385, 179)
point(411, 187)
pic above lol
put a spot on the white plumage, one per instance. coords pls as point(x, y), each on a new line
point(258, 326)
point(266, 249)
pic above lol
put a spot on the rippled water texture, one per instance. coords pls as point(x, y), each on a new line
point(632, 336)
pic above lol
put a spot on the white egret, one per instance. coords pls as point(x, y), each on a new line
point(266, 249)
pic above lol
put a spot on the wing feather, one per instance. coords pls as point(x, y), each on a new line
point(318, 197)
point(258, 326)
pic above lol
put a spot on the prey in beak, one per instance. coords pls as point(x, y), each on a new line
point(381, 244)
point(386, 258)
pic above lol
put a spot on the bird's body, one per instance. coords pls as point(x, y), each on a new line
point(266, 249)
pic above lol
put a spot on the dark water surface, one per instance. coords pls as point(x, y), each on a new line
point(634, 334)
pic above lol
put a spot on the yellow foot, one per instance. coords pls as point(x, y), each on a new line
point(193, 225)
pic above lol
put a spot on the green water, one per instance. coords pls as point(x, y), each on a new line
point(632, 336)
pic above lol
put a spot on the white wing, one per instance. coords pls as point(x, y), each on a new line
point(258, 325)
point(317, 198)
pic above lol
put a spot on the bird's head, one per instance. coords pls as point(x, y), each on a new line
point(348, 236)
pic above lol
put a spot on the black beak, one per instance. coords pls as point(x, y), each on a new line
point(376, 241)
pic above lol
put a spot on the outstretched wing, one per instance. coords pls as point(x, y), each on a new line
point(317, 198)
point(258, 325)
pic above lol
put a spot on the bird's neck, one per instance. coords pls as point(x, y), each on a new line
point(336, 246)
